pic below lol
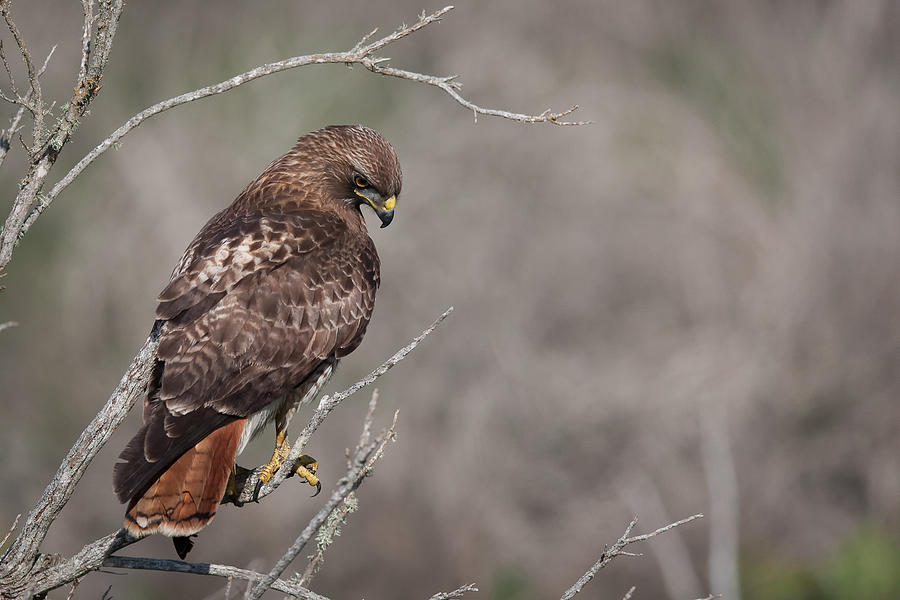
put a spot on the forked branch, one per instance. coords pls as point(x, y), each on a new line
point(618, 549)
point(362, 53)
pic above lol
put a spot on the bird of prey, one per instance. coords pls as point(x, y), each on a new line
point(272, 292)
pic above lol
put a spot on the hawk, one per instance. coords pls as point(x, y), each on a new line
point(269, 296)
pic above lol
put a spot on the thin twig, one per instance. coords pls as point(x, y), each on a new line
point(7, 325)
point(628, 594)
point(227, 571)
point(36, 100)
point(247, 486)
point(11, 529)
point(618, 549)
point(361, 53)
point(457, 593)
point(7, 134)
point(71, 593)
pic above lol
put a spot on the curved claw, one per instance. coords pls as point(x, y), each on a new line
point(318, 489)
point(256, 489)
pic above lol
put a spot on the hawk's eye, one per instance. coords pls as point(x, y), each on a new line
point(360, 181)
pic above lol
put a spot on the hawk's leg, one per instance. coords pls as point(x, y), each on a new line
point(305, 466)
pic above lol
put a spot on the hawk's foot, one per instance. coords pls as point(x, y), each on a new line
point(282, 449)
point(306, 467)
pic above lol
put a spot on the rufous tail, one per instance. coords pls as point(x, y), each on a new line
point(185, 497)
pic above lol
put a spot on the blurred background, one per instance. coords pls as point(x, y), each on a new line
point(691, 305)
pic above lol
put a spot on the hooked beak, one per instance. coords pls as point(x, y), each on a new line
point(384, 210)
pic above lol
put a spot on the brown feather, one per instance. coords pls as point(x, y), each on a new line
point(185, 497)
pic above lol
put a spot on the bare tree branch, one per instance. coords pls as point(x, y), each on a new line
point(618, 549)
point(337, 518)
point(87, 8)
point(12, 528)
point(43, 155)
point(178, 566)
point(361, 53)
point(36, 106)
point(457, 593)
point(7, 134)
point(628, 594)
point(19, 559)
point(364, 458)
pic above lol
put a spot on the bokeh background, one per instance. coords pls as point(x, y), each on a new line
point(691, 305)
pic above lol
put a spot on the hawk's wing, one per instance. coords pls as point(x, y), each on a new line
point(249, 314)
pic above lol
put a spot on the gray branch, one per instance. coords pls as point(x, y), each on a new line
point(618, 549)
point(178, 566)
point(365, 456)
point(19, 562)
point(46, 148)
point(457, 593)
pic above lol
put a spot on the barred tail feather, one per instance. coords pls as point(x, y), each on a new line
point(184, 499)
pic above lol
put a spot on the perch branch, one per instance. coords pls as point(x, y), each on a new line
point(22, 554)
point(22, 564)
point(618, 549)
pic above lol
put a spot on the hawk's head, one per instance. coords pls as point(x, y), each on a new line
point(359, 165)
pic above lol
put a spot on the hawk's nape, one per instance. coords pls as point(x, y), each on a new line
point(268, 297)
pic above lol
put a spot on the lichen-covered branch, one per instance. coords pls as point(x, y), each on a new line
point(365, 456)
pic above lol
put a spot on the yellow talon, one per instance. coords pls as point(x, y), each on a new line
point(306, 467)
